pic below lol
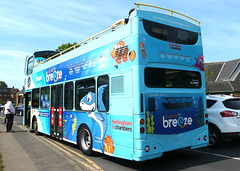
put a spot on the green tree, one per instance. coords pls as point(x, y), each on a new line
point(3, 84)
point(66, 46)
point(208, 74)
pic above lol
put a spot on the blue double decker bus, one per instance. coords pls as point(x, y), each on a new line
point(134, 91)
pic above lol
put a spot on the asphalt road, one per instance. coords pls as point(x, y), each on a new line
point(225, 158)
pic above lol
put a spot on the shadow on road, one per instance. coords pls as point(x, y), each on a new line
point(185, 158)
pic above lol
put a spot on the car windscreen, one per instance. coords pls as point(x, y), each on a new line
point(232, 104)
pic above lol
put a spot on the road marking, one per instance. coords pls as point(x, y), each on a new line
point(22, 127)
point(218, 155)
point(95, 166)
point(68, 153)
point(88, 160)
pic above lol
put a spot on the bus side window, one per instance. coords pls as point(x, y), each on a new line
point(85, 95)
point(68, 96)
point(103, 93)
point(35, 98)
point(29, 66)
point(45, 98)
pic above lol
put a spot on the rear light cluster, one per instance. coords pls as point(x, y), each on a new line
point(142, 130)
point(228, 113)
point(206, 116)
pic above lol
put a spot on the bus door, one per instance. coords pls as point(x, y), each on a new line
point(27, 108)
point(56, 127)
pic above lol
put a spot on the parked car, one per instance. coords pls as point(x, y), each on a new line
point(19, 110)
point(224, 118)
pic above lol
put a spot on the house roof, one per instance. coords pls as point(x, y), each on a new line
point(215, 68)
point(223, 76)
point(13, 90)
point(21, 92)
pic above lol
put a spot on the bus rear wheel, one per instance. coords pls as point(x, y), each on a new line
point(215, 139)
point(85, 140)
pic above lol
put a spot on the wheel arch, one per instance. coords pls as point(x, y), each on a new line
point(215, 136)
point(214, 126)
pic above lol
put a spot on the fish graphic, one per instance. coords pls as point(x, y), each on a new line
point(120, 52)
point(144, 55)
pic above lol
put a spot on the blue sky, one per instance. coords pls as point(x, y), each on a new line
point(27, 26)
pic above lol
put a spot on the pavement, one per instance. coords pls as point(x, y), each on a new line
point(23, 150)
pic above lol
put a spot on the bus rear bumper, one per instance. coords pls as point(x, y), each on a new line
point(141, 156)
point(201, 140)
point(153, 147)
point(146, 150)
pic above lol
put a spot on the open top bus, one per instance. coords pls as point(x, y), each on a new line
point(134, 93)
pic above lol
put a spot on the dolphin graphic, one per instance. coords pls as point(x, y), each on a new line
point(88, 103)
point(99, 119)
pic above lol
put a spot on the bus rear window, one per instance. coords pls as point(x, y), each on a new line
point(168, 78)
point(170, 34)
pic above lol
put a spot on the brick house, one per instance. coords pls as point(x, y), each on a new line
point(19, 97)
point(6, 93)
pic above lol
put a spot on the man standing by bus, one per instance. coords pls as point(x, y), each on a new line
point(9, 112)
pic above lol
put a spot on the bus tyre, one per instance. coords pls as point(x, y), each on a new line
point(85, 140)
point(215, 139)
point(35, 126)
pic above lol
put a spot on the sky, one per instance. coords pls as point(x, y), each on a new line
point(27, 26)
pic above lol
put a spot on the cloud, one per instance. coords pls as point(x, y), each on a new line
point(12, 67)
point(33, 22)
point(15, 54)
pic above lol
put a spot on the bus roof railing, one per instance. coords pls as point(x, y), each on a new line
point(79, 44)
point(171, 11)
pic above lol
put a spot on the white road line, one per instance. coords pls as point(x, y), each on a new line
point(218, 155)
